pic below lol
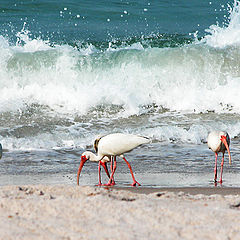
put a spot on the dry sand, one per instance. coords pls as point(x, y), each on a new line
point(71, 212)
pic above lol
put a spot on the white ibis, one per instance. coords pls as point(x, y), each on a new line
point(219, 141)
point(113, 145)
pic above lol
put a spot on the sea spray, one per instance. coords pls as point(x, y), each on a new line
point(229, 34)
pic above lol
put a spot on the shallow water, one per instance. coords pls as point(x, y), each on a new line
point(73, 72)
point(154, 165)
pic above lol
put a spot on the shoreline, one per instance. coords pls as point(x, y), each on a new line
point(186, 190)
point(220, 190)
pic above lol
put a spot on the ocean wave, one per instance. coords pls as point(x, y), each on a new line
point(190, 76)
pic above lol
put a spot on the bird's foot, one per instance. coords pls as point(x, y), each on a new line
point(216, 182)
point(99, 185)
point(135, 183)
point(113, 183)
point(108, 184)
point(220, 181)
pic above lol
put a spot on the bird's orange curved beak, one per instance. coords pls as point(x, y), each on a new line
point(83, 160)
point(224, 140)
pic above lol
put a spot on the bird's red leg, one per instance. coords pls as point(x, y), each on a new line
point(114, 169)
point(105, 168)
point(113, 182)
point(215, 169)
point(111, 164)
point(220, 180)
point(130, 168)
point(99, 174)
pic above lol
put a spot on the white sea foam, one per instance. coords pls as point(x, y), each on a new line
point(82, 139)
point(185, 79)
point(195, 134)
point(229, 34)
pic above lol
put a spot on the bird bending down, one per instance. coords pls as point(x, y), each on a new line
point(113, 145)
point(219, 141)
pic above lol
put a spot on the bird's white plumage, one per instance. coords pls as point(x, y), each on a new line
point(93, 158)
point(118, 143)
point(214, 141)
point(219, 141)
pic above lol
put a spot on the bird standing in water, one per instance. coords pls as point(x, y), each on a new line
point(113, 145)
point(219, 141)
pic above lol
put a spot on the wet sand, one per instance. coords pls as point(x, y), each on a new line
point(186, 190)
point(71, 212)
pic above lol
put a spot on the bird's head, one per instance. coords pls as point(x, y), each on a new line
point(85, 156)
point(226, 141)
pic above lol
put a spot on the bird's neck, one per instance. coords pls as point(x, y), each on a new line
point(94, 157)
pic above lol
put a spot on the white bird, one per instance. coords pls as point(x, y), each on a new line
point(219, 141)
point(113, 145)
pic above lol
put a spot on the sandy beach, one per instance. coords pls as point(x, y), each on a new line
point(71, 212)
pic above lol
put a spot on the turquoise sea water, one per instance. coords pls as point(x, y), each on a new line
point(103, 21)
point(72, 70)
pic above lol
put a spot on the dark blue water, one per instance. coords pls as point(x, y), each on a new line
point(71, 70)
point(71, 21)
